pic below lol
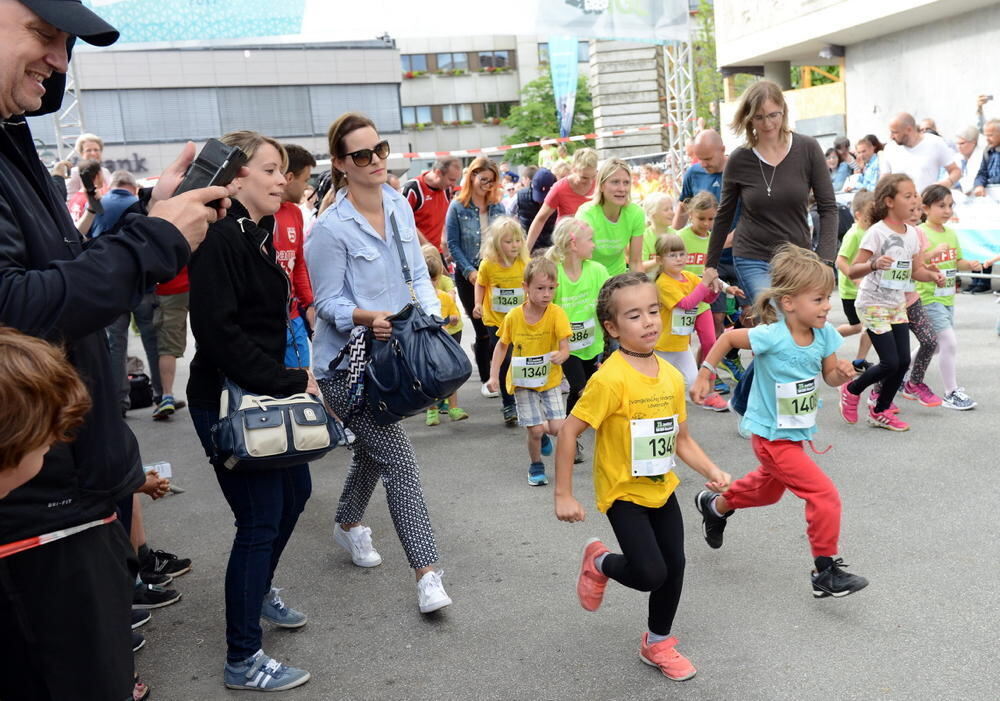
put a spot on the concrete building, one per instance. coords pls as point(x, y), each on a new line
point(928, 57)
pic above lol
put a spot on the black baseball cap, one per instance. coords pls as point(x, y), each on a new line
point(541, 184)
point(73, 17)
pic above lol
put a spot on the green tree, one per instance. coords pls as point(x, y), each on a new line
point(708, 91)
point(536, 118)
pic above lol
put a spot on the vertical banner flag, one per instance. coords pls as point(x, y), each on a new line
point(628, 20)
point(563, 63)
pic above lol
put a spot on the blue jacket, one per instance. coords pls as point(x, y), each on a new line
point(115, 203)
point(462, 229)
point(989, 169)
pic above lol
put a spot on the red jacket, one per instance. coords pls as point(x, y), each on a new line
point(288, 238)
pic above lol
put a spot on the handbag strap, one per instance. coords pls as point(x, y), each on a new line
point(356, 350)
point(402, 258)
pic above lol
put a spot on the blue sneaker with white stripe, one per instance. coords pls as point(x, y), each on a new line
point(263, 673)
point(546, 444)
point(275, 611)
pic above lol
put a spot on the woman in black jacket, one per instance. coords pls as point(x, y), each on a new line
point(239, 314)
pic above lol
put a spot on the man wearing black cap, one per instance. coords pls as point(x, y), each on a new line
point(529, 200)
point(65, 605)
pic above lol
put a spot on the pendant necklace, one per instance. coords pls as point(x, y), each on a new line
point(760, 162)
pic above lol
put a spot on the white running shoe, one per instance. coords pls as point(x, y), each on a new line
point(958, 399)
point(431, 594)
point(358, 542)
point(485, 391)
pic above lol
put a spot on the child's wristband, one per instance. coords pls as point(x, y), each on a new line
point(708, 366)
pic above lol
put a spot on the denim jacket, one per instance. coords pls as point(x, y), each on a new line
point(462, 229)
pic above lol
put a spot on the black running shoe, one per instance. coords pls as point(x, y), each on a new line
point(833, 581)
point(160, 580)
point(162, 562)
point(150, 596)
point(137, 641)
point(861, 365)
point(713, 526)
point(140, 617)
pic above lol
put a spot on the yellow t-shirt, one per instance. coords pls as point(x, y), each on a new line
point(504, 289)
point(532, 346)
point(616, 395)
point(449, 308)
point(670, 292)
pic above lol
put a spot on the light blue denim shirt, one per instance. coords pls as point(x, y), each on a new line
point(869, 177)
point(463, 233)
point(352, 267)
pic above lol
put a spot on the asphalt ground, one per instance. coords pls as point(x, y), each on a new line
point(919, 521)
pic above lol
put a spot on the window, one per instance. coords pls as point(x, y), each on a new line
point(495, 59)
point(379, 101)
point(453, 62)
point(267, 109)
point(582, 52)
point(414, 62)
point(456, 113)
point(416, 115)
point(497, 110)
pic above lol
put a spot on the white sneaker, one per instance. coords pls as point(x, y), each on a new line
point(431, 594)
point(358, 542)
point(485, 391)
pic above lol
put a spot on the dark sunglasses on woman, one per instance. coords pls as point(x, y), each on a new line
point(363, 157)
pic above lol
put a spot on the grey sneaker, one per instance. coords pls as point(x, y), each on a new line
point(958, 399)
point(275, 611)
point(262, 673)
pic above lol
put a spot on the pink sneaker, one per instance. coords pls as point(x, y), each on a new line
point(713, 402)
point(887, 419)
point(873, 400)
point(664, 655)
point(849, 404)
point(921, 392)
point(591, 583)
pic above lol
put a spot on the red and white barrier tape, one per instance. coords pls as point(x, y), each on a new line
point(542, 142)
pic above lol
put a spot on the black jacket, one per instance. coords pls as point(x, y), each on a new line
point(239, 312)
point(525, 209)
point(52, 288)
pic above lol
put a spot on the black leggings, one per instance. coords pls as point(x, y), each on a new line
point(893, 348)
point(481, 348)
point(652, 559)
point(577, 372)
point(494, 338)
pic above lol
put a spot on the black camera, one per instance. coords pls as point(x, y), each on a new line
point(217, 164)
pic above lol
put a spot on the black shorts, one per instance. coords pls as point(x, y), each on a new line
point(850, 312)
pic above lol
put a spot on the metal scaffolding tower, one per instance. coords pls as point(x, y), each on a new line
point(681, 118)
point(69, 118)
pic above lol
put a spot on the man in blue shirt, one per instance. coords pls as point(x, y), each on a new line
point(121, 196)
point(989, 169)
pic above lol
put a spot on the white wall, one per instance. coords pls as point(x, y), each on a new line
point(934, 70)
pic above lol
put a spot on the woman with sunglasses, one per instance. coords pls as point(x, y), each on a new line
point(472, 210)
point(357, 280)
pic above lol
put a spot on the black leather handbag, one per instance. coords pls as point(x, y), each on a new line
point(419, 365)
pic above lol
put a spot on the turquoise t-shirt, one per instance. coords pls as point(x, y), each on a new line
point(612, 239)
point(579, 301)
point(785, 385)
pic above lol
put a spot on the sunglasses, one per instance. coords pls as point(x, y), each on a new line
point(363, 157)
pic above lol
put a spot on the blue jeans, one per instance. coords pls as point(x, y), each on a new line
point(296, 344)
point(755, 277)
point(266, 505)
point(118, 344)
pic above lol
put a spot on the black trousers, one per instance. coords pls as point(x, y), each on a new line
point(65, 619)
point(652, 559)
point(481, 348)
point(577, 372)
point(893, 348)
point(506, 397)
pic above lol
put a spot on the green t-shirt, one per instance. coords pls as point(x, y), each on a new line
point(849, 249)
point(612, 239)
point(579, 301)
point(649, 239)
point(697, 250)
point(945, 260)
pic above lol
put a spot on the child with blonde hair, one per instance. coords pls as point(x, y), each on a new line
point(499, 288)
point(449, 312)
point(537, 334)
point(659, 210)
point(793, 345)
point(580, 280)
point(680, 293)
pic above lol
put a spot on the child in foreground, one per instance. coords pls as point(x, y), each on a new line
point(794, 344)
point(42, 400)
point(538, 334)
point(450, 313)
point(635, 402)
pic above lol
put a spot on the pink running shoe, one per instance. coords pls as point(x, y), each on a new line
point(591, 583)
point(887, 419)
point(873, 400)
point(664, 655)
point(921, 392)
point(849, 404)
point(713, 402)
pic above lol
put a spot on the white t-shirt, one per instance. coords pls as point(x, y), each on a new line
point(923, 162)
point(873, 288)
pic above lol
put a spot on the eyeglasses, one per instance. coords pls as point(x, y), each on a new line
point(769, 117)
point(676, 255)
point(485, 180)
point(363, 157)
